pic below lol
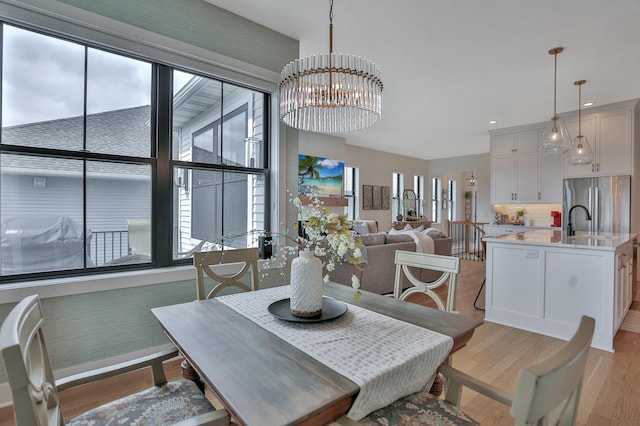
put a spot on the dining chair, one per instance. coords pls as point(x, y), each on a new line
point(448, 265)
point(206, 263)
point(35, 390)
point(547, 392)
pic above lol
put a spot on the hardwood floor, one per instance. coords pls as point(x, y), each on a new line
point(495, 354)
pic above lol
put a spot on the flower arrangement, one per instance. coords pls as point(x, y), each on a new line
point(328, 235)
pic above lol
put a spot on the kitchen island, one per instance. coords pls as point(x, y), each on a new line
point(544, 281)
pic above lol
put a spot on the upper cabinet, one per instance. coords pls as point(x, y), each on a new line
point(610, 135)
point(519, 174)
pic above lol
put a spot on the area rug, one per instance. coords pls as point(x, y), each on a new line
point(631, 322)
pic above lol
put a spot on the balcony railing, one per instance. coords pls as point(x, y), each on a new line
point(106, 246)
point(467, 239)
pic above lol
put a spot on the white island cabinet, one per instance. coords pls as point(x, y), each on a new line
point(544, 281)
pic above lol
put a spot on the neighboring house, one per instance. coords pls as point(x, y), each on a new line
point(118, 192)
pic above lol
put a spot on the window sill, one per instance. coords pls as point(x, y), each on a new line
point(14, 292)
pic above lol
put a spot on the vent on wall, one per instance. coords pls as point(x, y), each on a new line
point(39, 182)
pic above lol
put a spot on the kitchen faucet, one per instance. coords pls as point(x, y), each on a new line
point(570, 230)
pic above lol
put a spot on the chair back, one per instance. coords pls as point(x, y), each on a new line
point(207, 261)
point(548, 392)
point(448, 265)
point(35, 398)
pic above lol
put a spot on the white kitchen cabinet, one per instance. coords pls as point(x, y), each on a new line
point(624, 283)
point(514, 162)
point(550, 176)
point(609, 134)
point(543, 281)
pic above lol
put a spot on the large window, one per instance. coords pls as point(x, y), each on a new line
point(451, 200)
point(436, 185)
point(418, 187)
point(350, 191)
point(108, 161)
point(397, 187)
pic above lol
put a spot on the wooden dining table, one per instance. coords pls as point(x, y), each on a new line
point(262, 379)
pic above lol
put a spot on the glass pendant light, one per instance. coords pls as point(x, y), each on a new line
point(580, 153)
point(555, 140)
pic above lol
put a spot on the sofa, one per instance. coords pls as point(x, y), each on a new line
point(378, 274)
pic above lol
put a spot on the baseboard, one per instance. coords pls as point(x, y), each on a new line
point(5, 391)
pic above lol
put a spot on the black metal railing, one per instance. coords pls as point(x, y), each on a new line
point(467, 239)
point(106, 246)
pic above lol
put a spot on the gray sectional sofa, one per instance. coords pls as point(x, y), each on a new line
point(378, 274)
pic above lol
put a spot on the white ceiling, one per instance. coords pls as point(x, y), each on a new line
point(451, 66)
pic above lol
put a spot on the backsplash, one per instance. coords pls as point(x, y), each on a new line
point(537, 214)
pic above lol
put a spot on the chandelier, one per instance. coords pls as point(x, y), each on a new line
point(330, 92)
point(556, 139)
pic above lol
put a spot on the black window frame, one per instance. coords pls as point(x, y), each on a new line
point(160, 160)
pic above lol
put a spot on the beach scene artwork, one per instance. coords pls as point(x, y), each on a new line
point(320, 175)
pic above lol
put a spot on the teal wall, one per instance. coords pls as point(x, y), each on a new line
point(88, 327)
point(201, 24)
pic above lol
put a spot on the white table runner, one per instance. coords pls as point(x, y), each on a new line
point(386, 357)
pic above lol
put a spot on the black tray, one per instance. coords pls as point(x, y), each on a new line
point(331, 309)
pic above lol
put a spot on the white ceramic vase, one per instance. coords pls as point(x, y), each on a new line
point(306, 285)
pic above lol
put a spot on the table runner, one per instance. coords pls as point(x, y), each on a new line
point(386, 357)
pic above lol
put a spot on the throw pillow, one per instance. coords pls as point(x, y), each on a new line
point(360, 228)
point(434, 233)
point(372, 239)
point(419, 228)
point(407, 227)
point(398, 238)
point(393, 231)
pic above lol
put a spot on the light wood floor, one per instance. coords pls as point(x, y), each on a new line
point(610, 396)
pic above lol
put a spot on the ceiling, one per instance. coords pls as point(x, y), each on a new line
point(449, 67)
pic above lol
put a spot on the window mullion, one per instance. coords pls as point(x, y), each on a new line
point(162, 224)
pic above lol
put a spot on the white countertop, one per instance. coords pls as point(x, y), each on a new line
point(600, 241)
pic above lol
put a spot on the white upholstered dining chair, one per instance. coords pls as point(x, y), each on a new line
point(448, 265)
point(206, 263)
point(547, 392)
point(35, 391)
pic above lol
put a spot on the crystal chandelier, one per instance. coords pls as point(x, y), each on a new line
point(330, 92)
point(580, 153)
point(556, 139)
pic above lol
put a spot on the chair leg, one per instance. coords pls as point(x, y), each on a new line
point(478, 295)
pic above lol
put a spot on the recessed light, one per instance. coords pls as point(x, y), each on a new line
point(586, 104)
point(493, 122)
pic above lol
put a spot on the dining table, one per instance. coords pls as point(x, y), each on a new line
point(267, 369)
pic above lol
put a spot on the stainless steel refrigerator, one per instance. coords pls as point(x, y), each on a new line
point(608, 200)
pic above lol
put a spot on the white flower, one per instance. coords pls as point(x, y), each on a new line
point(357, 253)
point(355, 282)
point(325, 279)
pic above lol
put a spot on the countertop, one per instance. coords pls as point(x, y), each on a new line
point(582, 240)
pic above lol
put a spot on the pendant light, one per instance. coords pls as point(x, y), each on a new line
point(580, 153)
point(472, 180)
point(330, 92)
point(555, 140)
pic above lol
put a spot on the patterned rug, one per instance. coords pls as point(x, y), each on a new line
point(631, 322)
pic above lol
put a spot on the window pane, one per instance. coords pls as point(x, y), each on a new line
point(42, 90)
point(118, 104)
point(41, 210)
point(119, 220)
point(196, 107)
point(217, 208)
